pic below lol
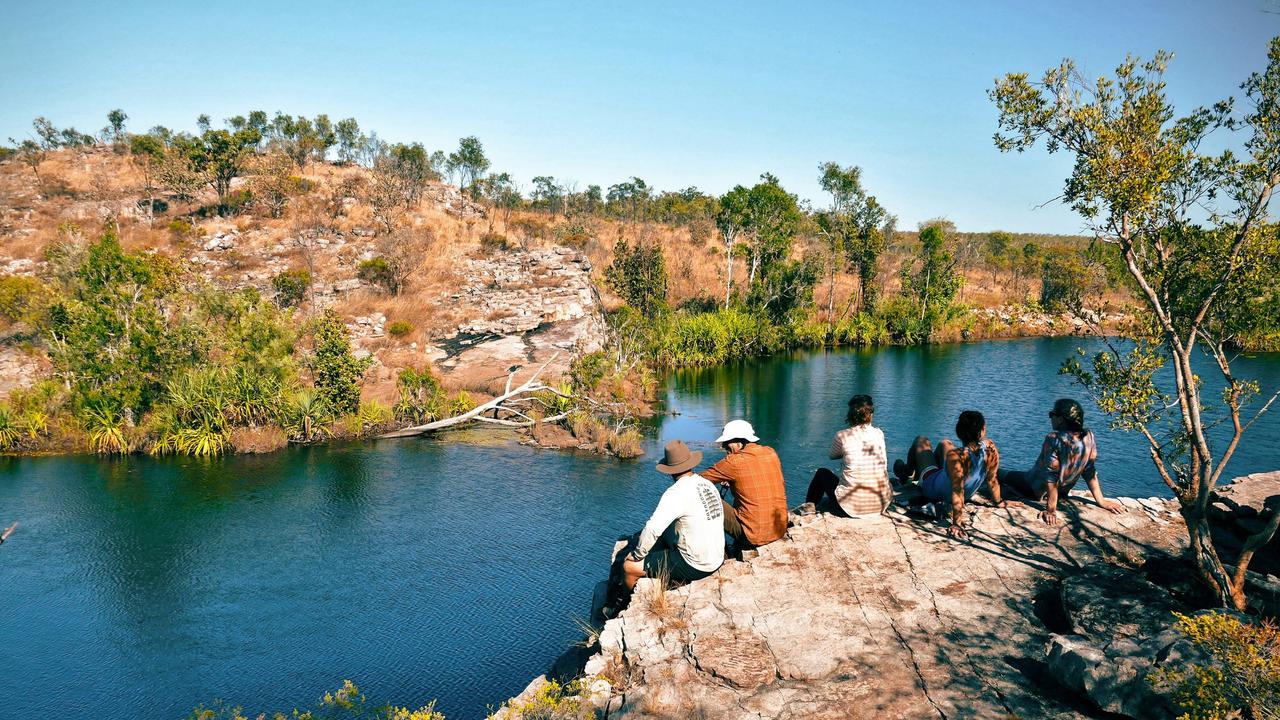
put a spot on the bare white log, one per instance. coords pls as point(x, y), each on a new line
point(530, 386)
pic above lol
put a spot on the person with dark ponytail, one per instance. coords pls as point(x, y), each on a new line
point(1068, 454)
point(951, 474)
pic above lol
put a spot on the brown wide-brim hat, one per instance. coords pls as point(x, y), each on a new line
point(677, 458)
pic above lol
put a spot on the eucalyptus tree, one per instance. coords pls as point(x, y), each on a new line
point(468, 162)
point(349, 140)
point(853, 229)
point(1193, 227)
point(732, 219)
point(221, 156)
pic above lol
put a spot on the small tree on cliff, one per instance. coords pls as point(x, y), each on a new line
point(639, 276)
point(338, 373)
point(1143, 181)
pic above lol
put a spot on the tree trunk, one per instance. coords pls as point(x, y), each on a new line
point(1206, 557)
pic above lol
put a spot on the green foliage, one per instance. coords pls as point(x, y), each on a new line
point(387, 273)
point(552, 701)
point(494, 242)
point(930, 283)
point(587, 370)
point(468, 162)
point(421, 399)
point(1064, 281)
point(181, 228)
point(639, 276)
point(576, 233)
point(221, 156)
point(712, 338)
point(854, 228)
point(22, 299)
point(106, 429)
point(305, 416)
point(785, 290)
point(1186, 223)
point(11, 431)
point(291, 286)
point(338, 373)
point(1240, 673)
point(346, 703)
point(109, 334)
point(399, 328)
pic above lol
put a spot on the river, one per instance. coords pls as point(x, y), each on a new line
point(432, 568)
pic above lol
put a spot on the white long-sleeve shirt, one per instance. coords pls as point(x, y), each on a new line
point(693, 504)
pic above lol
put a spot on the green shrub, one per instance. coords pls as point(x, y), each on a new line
point(338, 373)
point(10, 429)
point(181, 228)
point(305, 415)
point(576, 233)
point(346, 703)
point(106, 428)
point(586, 371)
point(421, 398)
point(712, 338)
point(399, 328)
point(552, 701)
point(1064, 280)
point(291, 286)
point(494, 242)
point(1240, 673)
point(387, 273)
point(639, 276)
point(22, 298)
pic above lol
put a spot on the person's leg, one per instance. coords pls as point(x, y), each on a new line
point(732, 527)
point(1016, 481)
point(824, 483)
point(940, 453)
point(632, 572)
point(921, 458)
point(905, 469)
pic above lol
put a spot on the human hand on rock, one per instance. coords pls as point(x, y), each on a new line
point(1050, 517)
point(1112, 506)
point(956, 532)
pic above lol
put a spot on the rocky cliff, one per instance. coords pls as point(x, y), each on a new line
point(890, 618)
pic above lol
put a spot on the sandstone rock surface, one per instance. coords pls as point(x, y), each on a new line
point(527, 308)
point(888, 617)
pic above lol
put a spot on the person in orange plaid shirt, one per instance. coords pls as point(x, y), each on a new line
point(758, 515)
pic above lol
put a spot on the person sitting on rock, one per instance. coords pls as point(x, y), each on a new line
point(1067, 454)
point(862, 488)
point(684, 538)
point(951, 474)
point(753, 473)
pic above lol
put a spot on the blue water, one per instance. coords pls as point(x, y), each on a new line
point(435, 568)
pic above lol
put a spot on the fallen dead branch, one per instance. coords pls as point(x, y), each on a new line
point(499, 405)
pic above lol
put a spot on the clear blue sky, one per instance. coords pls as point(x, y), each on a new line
point(706, 94)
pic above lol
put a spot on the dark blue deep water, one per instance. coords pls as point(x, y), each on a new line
point(443, 568)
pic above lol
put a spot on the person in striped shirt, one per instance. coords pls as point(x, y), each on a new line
point(862, 488)
point(1068, 454)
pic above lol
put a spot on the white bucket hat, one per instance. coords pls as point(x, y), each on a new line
point(735, 429)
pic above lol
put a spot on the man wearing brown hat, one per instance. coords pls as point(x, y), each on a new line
point(684, 537)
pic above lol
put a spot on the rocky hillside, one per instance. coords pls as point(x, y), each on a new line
point(888, 617)
point(470, 310)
